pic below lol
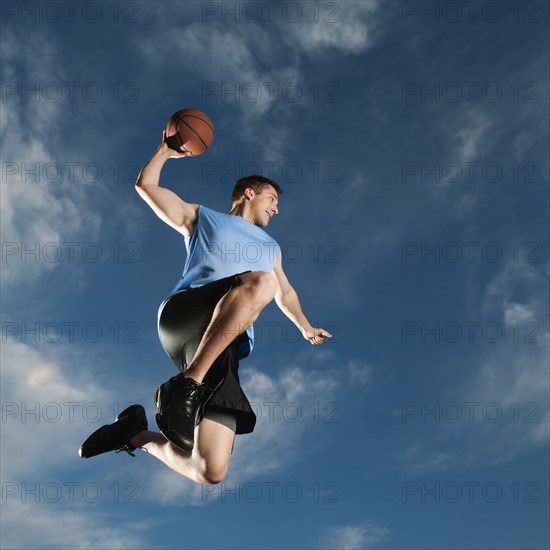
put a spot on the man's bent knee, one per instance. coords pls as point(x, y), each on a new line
point(213, 476)
point(212, 480)
point(262, 284)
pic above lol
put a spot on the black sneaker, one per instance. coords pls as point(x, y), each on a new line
point(116, 436)
point(180, 403)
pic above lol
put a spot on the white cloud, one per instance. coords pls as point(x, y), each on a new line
point(471, 134)
point(41, 525)
point(516, 313)
point(517, 277)
point(36, 211)
point(346, 27)
point(43, 199)
point(509, 412)
point(45, 410)
point(359, 372)
point(229, 62)
point(421, 460)
point(287, 406)
point(354, 537)
point(527, 130)
point(168, 488)
point(48, 409)
point(236, 77)
point(277, 402)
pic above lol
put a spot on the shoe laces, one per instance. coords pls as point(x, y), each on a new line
point(128, 449)
point(192, 391)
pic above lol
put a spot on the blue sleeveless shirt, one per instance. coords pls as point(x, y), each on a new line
point(222, 245)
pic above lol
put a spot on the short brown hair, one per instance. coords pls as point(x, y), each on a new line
point(255, 182)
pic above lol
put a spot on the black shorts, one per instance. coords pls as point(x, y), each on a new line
point(182, 322)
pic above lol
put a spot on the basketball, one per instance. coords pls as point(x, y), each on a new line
point(189, 130)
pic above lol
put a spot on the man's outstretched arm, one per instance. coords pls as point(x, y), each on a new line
point(287, 300)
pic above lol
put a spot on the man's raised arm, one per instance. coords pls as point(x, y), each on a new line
point(170, 208)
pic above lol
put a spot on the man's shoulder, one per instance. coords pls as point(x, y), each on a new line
point(211, 211)
point(217, 214)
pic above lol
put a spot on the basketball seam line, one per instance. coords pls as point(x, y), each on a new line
point(192, 130)
point(197, 117)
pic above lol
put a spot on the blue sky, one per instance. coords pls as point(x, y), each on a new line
point(412, 147)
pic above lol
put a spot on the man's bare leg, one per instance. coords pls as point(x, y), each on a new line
point(207, 463)
point(233, 314)
point(179, 400)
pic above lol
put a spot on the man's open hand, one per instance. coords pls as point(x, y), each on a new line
point(316, 335)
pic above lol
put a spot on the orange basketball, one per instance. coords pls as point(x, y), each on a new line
point(189, 130)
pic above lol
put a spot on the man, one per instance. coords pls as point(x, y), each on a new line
point(232, 271)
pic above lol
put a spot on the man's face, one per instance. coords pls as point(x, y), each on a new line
point(263, 206)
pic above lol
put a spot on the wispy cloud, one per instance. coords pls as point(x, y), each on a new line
point(44, 410)
point(472, 134)
point(40, 525)
point(282, 407)
point(35, 212)
point(344, 27)
point(44, 200)
point(168, 488)
point(359, 371)
point(237, 75)
point(517, 371)
point(509, 412)
point(354, 537)
point(229, 62)
point(48, 409)
point(52, 399)
point(286, 409)
point(420, 459)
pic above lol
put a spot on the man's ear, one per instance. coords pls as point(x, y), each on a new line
point(248, 193)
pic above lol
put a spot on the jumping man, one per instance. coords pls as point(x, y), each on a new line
point(206, 326)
